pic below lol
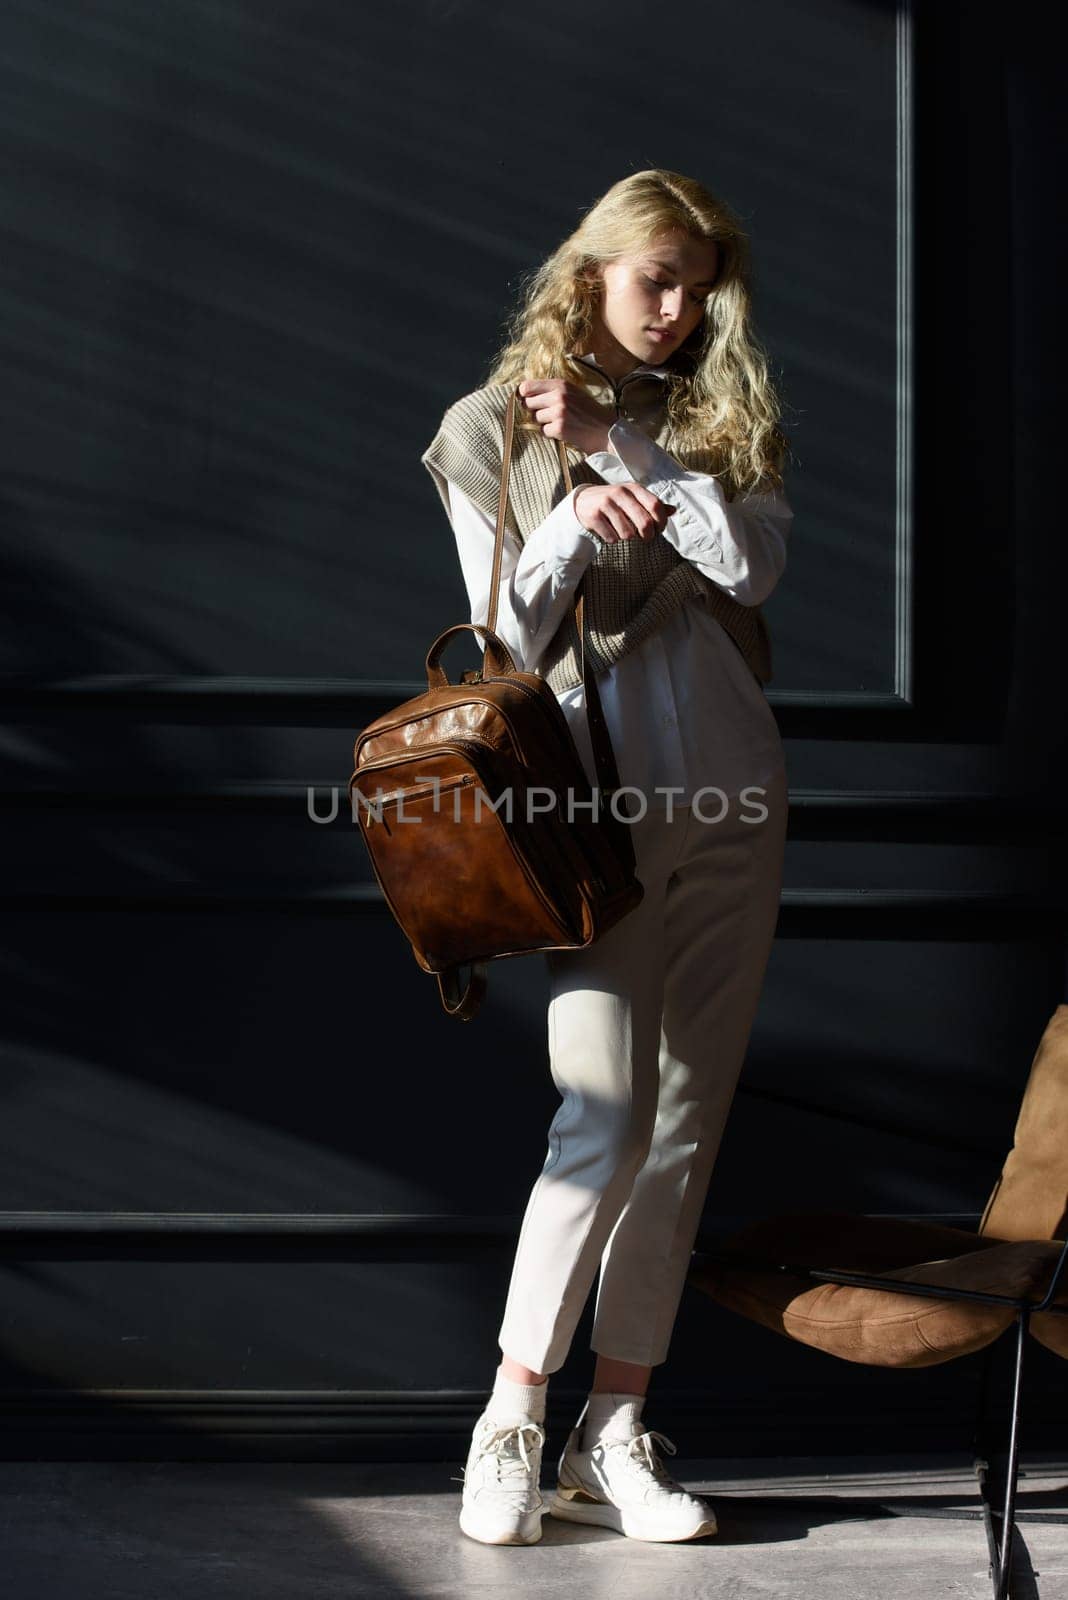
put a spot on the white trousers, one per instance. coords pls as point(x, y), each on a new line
point(647, 1034)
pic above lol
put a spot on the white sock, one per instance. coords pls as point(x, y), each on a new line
point(613, 1415)
point(515, 1402)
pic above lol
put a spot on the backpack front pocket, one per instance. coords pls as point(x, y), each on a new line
point(449, 864)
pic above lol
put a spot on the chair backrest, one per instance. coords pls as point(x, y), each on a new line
point(1030, 1199)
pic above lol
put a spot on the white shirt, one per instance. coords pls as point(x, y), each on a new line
point(683, 708)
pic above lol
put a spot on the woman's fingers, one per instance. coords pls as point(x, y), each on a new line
point(659, 509)
point(621, 511)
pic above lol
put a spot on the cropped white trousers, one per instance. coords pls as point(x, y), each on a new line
point(647, 1034)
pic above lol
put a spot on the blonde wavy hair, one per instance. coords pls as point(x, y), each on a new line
point(722, 406)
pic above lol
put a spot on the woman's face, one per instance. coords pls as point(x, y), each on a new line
point(663, 287)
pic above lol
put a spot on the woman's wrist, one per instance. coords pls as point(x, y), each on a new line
point(574, 506)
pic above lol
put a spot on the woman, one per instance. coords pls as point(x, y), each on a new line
point(633, 345)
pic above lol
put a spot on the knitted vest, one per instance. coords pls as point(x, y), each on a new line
point(631, 586)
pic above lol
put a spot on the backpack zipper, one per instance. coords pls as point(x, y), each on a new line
point(528, 688)
point(421, 790)
point(375, 810)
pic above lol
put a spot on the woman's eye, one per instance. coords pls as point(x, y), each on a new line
point(656, 283)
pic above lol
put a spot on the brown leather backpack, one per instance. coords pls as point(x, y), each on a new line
point(483, 830)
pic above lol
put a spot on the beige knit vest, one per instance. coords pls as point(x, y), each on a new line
point(630, 587)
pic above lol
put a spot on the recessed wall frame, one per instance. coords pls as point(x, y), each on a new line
point(307, 702)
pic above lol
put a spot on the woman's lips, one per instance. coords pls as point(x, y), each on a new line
point(661, 333)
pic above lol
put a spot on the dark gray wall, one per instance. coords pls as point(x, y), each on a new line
point(258, 1193)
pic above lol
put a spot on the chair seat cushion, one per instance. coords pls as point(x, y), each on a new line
point(877, 1327)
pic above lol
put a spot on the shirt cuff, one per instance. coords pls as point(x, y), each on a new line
point(649, 463)
point(564, 536)
point(625, 441)
point(644, 461)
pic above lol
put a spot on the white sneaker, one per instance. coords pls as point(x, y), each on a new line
point(622, 1483)
point(502, 1502)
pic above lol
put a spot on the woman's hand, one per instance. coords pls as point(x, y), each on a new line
point(567, 411)
point(614, 511)
point(621, 511)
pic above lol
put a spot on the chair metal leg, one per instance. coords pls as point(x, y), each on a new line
point(991, 1482)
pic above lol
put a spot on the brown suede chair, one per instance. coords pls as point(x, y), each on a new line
point(898, 1293)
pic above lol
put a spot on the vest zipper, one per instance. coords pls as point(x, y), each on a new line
point(615, 387)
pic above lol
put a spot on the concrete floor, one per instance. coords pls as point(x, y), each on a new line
point(797, 1527)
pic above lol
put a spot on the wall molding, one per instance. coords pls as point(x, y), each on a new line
point(924, 1413)
point(353, 702)
point(872, 815)
point(245, 1235)
point(952, 915)
point(905, 376)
